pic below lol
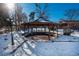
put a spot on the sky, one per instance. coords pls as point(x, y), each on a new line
point(55, 11)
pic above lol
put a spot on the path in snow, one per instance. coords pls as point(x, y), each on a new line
point(20, 48)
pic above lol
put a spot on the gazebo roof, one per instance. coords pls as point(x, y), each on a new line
point(41, 20)
point(40, 23)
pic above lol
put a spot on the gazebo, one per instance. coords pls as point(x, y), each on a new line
point(39, 28)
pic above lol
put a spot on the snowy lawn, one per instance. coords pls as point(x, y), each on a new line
point(6, 49)
point(63, 45)
point(56, 48)
point(4, 41)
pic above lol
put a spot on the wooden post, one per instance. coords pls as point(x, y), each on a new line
point(41, 28)
point(49, 33)
point(57, 30)
point(24, 28)
point(28, 28)
point(36, 29)
point(44, 29)
point(31, 29)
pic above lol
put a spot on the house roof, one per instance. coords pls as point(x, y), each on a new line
point(70, 20)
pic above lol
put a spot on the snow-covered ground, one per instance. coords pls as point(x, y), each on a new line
point(63, 45)
point(20, 48)
point(75, 33)
point(58, 47)
point(4, 41)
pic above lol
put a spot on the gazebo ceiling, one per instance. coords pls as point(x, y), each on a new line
point(39, 24)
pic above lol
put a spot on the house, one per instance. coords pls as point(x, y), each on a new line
point(72, 24)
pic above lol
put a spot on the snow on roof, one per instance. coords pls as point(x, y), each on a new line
point(70, 20)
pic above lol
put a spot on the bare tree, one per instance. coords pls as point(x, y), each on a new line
point(41, 11)
point(31, 16)
point(4, 15)
point(24, 17)
point(18, 16)
point(72, 14)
